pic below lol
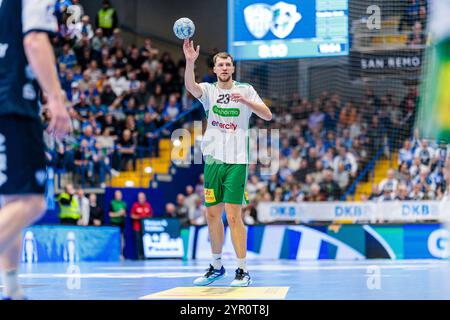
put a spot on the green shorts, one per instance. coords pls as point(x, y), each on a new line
point(225, 182)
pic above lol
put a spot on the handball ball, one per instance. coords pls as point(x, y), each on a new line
point(184, 28)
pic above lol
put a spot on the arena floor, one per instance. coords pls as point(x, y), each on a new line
point(294, 280)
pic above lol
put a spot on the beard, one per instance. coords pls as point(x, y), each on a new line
point(224, 78)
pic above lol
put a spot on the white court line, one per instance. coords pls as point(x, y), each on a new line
point(302, 265)
point(270, 268)
point(109, 275)
point(155, 268)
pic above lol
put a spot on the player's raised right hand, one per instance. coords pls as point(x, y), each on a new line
point(190, 53)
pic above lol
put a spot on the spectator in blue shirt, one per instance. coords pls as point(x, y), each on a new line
point(410, 15)
point(346, 139)
point(77, 75)
point(286, 149)
point(330, 140)
point(88, 135)
point(98, 109)
point(151, 105)
point(66, 83)
point(67, 57)
point(146, 137)
point(91, 92)
point(424, 179)
point(405, 154)
point(82, 109)
point(130, 107)
point(75, 93)
point(172, 108)
point(84, 160)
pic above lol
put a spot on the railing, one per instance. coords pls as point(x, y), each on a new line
point(88, 173)
point(369, 168)
point(196, 105)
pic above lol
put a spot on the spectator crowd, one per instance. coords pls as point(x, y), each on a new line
point(118, 95)
point(422, 173)
point(329, 143)
point(414, 22)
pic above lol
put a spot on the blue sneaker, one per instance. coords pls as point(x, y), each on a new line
point(242, 279)
point(210, 276)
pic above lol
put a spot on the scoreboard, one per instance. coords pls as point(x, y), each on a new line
point(274, 29)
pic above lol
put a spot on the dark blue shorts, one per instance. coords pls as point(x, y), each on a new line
point(22, 157)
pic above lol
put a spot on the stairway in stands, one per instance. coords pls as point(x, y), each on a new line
point(379, 173)
point(141, 178)
point(160, 165)
point(388, 37)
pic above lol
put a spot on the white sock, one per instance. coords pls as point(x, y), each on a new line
point(242, 263)
point(12, 288)
point(217, 261)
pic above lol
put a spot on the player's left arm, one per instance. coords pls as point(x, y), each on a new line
point(255, 103)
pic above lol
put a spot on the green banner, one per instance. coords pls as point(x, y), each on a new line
point(433, 118)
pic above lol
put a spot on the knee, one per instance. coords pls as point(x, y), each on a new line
point(213, 215)
point(233, 220)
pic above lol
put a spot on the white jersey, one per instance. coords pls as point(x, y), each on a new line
point(227, 137)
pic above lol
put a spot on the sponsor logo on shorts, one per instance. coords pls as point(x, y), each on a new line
point(227, 126)
point(226, 112)
point(209, 196)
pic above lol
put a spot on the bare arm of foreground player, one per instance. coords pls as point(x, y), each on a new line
point(40, 55)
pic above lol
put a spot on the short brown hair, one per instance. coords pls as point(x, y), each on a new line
point(223, 55)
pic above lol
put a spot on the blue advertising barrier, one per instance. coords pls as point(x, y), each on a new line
point(164, 239)
point(70, 244)
point(336, 242)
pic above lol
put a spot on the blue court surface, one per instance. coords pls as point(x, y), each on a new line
point(272, 279)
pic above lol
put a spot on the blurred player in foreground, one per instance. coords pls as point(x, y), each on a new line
point(228, 105)
point(25, 54)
